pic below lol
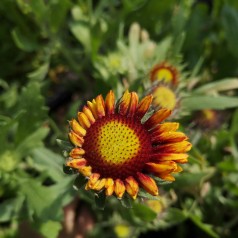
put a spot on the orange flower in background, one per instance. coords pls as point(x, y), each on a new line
point(164, 72)
point(120, 151)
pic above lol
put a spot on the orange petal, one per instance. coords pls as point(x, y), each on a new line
point(178, 158)
point(109, 185)
point(125, 103)
point(133, 104)
point(87, 187)
point(100, 105)
point(132, 187)
point(85, 170)
point(166, 166)
point(77, 128)
point(119, 188)
point(110, 103)
point(179, 147)
point(157, 117)
point(83, 120)
point(76, 153)
point(76, 163)
point(99, 184)
point(89, 114)
point(166, 126)
point(75, 139)
point(148, 184)
point(167, 177)
point(94, 177)
point(169, 136)
point(143, 106)
point(92, 106)
point(178, 169)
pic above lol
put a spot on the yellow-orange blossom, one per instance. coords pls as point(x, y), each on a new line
point(117, 152)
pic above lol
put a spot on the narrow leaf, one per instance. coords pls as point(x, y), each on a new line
point(209, 102)
point(221, 85)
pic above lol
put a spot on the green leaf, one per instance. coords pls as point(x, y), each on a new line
point(192, 103)
point(40, 10)
point(50, 229)
point(4, 84)
point(36, 196)
point(24, 41)
point(175, 216)
point(197, 67)
point(234, 123)
point(229, 165)
point(229, 18)
point(47, 202)
point(10, 96)
point(58, 12)
point(81, 31)
point(176, 47)
point(194, 179)
point(23, 6)
point(5, 128)
point(33, 104)
point(9, 208)
point(77, 13)
point(100, 200)
point(43, 159)
point(143, 212)
point(39, 73)
point(32, 141)
point(163, 48)
point(205, 227)
point(221, 85)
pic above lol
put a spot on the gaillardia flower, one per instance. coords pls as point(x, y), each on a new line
point(164, 97)
point(164, 72)
point(209, 119)
point(120, 151)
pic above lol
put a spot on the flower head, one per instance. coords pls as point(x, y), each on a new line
point(119, 151)
point(122, 230)
point(164, 97)
point(164, 72)
point(209, 119)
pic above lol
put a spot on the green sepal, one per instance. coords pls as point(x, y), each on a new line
point(65, 153)
point(143, 194)
point(79, 182)
point(65, 145)
point(100, 200)
point(69, 170)
point(147, 116)
point(127, 201)
point(160, 181)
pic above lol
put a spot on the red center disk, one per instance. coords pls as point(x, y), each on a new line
point(117, 146)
